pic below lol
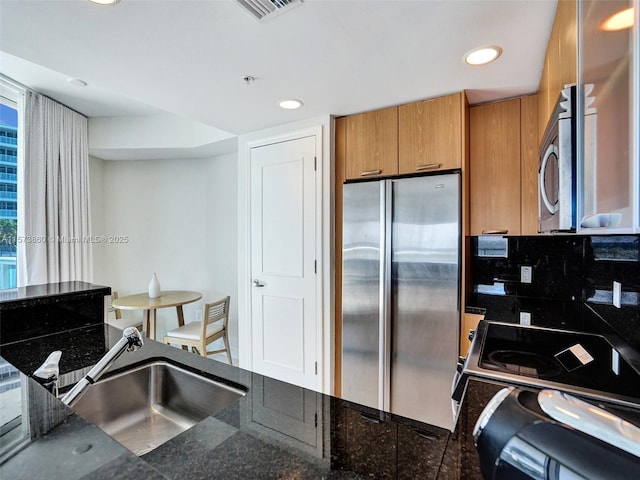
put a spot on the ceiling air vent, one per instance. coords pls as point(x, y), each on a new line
point(262, 9)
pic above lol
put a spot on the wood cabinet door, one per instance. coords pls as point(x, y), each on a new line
point(560, 64)
point(430, 134)
point(495, 168)
point(529, 164)
point(567, 14)
point(372, 144)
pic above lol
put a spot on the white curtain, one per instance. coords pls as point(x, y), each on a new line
point(53, 214)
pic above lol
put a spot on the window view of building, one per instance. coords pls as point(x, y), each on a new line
point(8, 195)
point(11, 428)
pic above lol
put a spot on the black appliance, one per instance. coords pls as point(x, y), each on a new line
point(525, 434)
point(557, 169)
point(584, 364)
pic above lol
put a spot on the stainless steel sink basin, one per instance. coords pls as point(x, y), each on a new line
point(144, 407)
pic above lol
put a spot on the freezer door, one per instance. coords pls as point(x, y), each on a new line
point(362, 233)
point(425, 254)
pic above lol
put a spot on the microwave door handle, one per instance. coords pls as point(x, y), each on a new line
point(553, 209)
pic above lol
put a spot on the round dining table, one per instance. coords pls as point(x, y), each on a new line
point(169, 298)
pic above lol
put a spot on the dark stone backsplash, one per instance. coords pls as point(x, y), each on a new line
point(568, 271)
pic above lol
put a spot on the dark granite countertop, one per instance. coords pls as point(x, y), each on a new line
point(275, 431)
point(251, 438)
point(48, 290)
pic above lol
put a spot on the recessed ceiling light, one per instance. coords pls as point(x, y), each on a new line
point(104, 2)
point(482, 55)
point(290, 104)
point(619, 20)
point(76, 82)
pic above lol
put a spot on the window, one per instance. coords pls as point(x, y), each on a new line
point(8, 188)
point(14, 418)
point(14, 424)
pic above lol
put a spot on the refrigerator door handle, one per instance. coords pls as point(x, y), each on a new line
point(386, 212)
point(381, 300)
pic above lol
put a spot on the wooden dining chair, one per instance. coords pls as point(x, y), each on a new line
point(115, 317)
point(198, 335)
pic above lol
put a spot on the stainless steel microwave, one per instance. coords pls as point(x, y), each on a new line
point(557, 169)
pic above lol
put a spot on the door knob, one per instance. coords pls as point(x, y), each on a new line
point(258, 283)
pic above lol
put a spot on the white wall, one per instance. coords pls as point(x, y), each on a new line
point(96, 201)
point(180, 219)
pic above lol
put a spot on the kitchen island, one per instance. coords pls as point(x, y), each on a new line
point(276, 430)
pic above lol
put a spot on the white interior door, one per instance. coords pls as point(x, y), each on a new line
point(283, 236)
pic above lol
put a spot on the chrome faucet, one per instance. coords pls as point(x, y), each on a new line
point(47, 374)
point(131, 340)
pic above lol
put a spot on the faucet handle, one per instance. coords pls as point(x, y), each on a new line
point(134, 338)
point(47, 373)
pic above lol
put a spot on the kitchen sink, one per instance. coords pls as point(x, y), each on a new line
point(146, 406)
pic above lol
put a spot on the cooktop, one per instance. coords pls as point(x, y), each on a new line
point(587, 364)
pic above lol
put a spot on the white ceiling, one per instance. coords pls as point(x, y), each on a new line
point(188, 58)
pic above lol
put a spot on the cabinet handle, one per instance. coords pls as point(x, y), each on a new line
point(430, 166)
point(495, 232)
point(370, 172)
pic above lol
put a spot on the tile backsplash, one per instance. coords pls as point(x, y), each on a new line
point(567, 272)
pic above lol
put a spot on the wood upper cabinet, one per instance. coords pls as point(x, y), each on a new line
point(430, 134)
point(529, 162)
point(372, 144)
point(504, 167)
point(494, 167)
point(560, 64)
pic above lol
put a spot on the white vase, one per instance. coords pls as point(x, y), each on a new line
point(154, 287)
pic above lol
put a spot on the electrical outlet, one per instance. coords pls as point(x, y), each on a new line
point(615, 361)
point(526, 274)
point(525, 318)
point(198, 315)
point(617, 293)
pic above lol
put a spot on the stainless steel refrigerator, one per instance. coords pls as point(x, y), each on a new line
point(400, 295)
